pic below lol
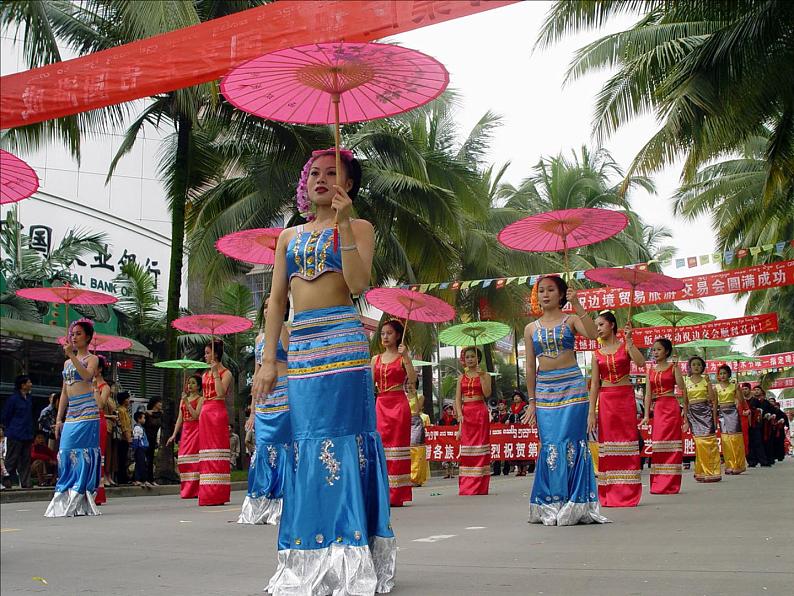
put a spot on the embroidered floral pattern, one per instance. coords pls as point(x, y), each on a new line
point(253, 459)
point(571, 454)
point(551, 457)
point(295, 454)
point(362, 459)
point(330, 462)
point(73, 457)
point(272, 455)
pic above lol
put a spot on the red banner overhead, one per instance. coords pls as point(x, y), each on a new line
point(784, 383)
point(764, 363)
point(719, 329)
point(205, 52)
point(746, 279)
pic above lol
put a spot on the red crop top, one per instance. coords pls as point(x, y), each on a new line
point(613, 368)
point(391, 376)
point(663, 383)
point(471, 387)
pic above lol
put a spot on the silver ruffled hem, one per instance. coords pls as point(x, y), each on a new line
point(72, 503)
point(338, 569)
point(568, 513)
point(260, 510)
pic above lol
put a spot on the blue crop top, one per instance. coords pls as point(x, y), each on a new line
point(259, 352)
point(553, 342)
point(70, 374)
point(310, 254)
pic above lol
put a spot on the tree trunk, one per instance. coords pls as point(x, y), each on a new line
point(427, 391)
point(166, 465)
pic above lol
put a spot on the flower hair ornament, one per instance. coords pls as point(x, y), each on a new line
point(302, 192)
point(84, 321)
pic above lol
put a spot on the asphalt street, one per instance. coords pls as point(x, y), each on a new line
point(732, 537)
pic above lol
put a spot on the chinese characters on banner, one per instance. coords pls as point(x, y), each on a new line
point(769, 361)
point(719, 329)
point(784, 383)
point(746, 279)
point(515, 442)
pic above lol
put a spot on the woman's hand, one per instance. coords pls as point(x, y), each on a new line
point(404, 352)
point(264, 379)
point(69, 350)
point(571, 296)
point(591, 421)
point(170, 440)
point(342, 203)
point(627, 332)
point(685, 425)
point(58, 427)
point(644, 422)
point(249, 424)
point(529, 414)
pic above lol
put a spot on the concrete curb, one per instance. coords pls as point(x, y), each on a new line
point(45, 494)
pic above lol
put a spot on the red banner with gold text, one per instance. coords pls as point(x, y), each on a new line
point(719, 329)
point(764, 363)
point(207, 51)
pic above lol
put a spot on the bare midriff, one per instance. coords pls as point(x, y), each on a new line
point(79, 388)
point(324, 291)
point(566, 359)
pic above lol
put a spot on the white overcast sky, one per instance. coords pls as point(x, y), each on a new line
point(492, 65)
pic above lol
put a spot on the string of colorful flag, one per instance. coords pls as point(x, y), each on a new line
point(725, 257)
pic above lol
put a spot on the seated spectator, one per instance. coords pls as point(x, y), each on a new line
point(517, 409)
point(47, 420)
point(44, 461)
point(234, 447)
point(448, 419)
point(500, 416)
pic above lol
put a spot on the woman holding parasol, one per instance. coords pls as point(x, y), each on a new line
point(564, 491)
point(390, 371)
point(77, 427)
point(187, 459)
point(335, 530)
point(612, 401)
point(214, 469)
point(270, 420)
point(474, 387)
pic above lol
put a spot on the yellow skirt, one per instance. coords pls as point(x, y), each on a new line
point(707, 459)
point(593, 445)
point(420, 467)
point(733, 453)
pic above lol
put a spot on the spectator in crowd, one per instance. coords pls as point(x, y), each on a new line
point(18, 423)
point(44, 461)
point(140, 448)
point(125, 437)
point(47, 417)
point(500, 416)
point(234, 448)
point(3, 472)
point(779, 430)
point(448, 419)
point(517, 409)
point(152, 424)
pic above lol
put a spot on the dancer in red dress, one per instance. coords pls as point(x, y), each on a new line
point(668, 425)
point(103, 393)
point(214, 468)
point(188, 422)
point(390, 371)
point(612, 396)
point(744, 416)
point(474, 387)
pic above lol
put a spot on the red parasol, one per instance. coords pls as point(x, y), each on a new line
point(335, 83)
point(562, 230)
point(67, 294)
point(251, 246)
point(634, 279)
point(410, 305)
point(105, 343)
point(17, 179)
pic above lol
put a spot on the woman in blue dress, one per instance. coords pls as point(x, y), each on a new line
point(272, 454)
point(77, 425)
point(564, 492)
point(335, 535)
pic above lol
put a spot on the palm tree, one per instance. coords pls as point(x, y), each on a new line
point(139, 307)
point(24, 267)
point(714, 73)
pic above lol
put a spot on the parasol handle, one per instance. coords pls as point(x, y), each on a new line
point(565, 260)
point(631, 301)
point(337, 142)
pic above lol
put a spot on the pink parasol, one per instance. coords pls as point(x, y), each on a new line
point(634, 279)
point(105, 343)
point(212, 324)
point(67, 294)
point(335, 83)
point(562, 230)
point(410, 305)
point(17, 179)
point(251, 246)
